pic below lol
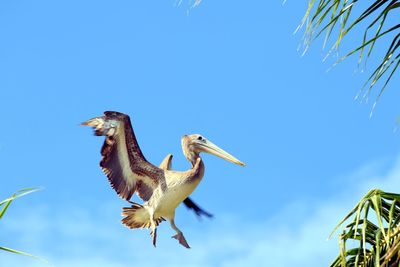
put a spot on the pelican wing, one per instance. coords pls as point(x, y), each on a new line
point(122, 161)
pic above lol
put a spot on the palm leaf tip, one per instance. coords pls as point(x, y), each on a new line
point(7, 202)
point(18, 252)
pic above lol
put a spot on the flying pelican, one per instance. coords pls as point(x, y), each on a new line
point(161, 189)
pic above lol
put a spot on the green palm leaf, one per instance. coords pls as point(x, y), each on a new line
point(340, 16)
point(20, 253)
point(375, 225)
point(4, 205)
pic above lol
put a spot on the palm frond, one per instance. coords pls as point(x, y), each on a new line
point(4, 205)
point(192, 3)
point(21, 253)
point(375, 225)
point(327, 15)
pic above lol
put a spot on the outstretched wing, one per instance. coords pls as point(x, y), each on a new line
point(166, 164)
point(122, 161)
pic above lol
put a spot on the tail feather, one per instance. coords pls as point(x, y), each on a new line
point(137, 216)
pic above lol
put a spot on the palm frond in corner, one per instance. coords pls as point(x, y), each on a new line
point(4, 205)
point(373, 224)
point(341, 16)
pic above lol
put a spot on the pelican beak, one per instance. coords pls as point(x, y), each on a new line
point(208, 147)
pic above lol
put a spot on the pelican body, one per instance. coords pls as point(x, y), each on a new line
point(161, 188)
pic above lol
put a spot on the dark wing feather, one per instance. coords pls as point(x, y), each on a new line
point(199, 211)
point(122, 160)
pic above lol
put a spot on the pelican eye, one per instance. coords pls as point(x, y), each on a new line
point(200, 138)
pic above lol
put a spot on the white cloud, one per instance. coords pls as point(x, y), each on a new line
point(297, 236)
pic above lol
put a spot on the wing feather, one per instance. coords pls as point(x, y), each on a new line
point(122, 160)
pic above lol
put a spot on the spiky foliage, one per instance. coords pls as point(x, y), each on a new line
point(342, 17)
point(193, 3)
point(3, 208)
point(372, 236)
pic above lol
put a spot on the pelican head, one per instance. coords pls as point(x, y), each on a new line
point(194, 144)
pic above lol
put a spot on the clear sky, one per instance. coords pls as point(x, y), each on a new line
point(229, 70)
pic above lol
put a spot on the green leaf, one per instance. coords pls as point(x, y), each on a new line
point(378, 245)
point(6, 203)
point(22, 253)
point(4, 206)
point(342, 17)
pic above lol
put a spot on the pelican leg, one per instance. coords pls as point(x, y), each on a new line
point(179, 235)
point(153, 232)
point(153, 235)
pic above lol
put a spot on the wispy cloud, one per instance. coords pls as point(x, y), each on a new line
point(297, 236)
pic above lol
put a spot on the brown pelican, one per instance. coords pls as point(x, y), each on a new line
point(161, 189)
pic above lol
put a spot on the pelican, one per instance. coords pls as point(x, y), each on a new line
point(161, 188)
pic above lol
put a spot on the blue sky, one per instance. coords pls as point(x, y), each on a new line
point(229, 70)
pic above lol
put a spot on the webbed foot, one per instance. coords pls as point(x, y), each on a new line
point(181, 240)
